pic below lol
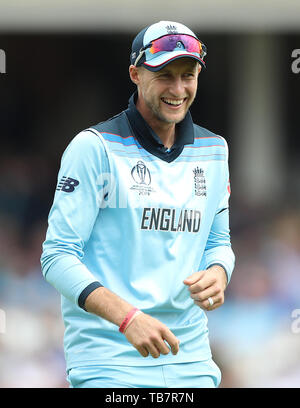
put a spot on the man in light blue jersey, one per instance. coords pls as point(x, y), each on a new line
point(138, 242)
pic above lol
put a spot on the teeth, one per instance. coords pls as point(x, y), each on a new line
point(173, 102)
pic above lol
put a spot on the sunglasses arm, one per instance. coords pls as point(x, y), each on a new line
point(142, 51)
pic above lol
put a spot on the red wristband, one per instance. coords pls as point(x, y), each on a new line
point(127, 319)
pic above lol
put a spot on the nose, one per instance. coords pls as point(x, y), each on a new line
point(177, 87)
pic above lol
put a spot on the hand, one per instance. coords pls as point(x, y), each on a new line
point(207, 283)
point(148, 336)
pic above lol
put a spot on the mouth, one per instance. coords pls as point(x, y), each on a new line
point(174, 103)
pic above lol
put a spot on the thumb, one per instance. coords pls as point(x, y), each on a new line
point(190, 280)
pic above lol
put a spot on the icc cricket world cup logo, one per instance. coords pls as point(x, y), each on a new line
point(141, 174)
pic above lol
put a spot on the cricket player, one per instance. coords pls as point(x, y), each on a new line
point(138, 242)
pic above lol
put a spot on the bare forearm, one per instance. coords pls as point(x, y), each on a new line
point(145, 333)
point(107, 305)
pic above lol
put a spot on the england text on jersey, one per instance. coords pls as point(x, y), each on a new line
point(171, 219)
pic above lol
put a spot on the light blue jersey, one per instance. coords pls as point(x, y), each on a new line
point(138, 219)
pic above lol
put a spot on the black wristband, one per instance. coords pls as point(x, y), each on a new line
point(84, 294)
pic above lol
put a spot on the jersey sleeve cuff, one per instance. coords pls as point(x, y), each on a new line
point(222, 266)
point(222, 256)
point(84, 294)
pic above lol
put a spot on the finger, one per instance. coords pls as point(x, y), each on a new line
point(155, 353)
point(193, 278)
point(172, 341)
point(205, 282)
point(162, 347)
point(204, 294)
point(143, 351)
point(175, 348)
point(205, 305)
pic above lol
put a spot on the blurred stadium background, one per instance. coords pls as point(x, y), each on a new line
point(67, 68)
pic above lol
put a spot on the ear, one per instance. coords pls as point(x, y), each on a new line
point(134, 74)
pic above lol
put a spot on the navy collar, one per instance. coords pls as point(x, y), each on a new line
point(149, 139)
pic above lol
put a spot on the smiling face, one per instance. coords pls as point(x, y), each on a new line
point(165, 96)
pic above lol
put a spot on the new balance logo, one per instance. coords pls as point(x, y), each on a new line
point(67, 184)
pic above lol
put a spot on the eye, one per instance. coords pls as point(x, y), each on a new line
point(189, 75)
point(164, 75)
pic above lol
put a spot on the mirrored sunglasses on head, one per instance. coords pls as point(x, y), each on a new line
point(169, 43)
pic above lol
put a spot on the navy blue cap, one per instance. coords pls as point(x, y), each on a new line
point(154, 62)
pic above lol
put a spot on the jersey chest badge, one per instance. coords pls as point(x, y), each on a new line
point(142, 179)
point(199, 182)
